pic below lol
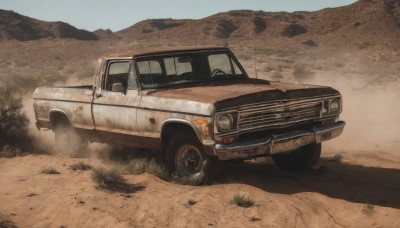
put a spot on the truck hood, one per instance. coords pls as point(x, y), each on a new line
point(231, 94)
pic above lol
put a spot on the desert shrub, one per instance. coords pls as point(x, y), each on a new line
point(254, 219)
point(10, 151)
point(80, 166)
point(106, 178)
point(13, 121)
point(363, 45)
point(4, 223)
point(242, 200)
point(368, 209)
point(86, 73)
point(142, 165)
point(157, 169)
point(300, 72)
point(49, 170)
point(191, 202)
point(138, 166)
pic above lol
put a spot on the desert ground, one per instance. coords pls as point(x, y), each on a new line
point(355, 49)
point(347, 189)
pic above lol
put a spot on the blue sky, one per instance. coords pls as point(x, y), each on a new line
point(120, 14)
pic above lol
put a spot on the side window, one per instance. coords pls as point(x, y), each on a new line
point(150, 73)
point(117, 72)
point(220, 62)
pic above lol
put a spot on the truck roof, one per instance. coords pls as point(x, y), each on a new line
point(137, 53)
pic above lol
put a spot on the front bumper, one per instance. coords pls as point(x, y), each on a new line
point(279, 143)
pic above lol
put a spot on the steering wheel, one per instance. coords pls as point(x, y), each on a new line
point(216, 72)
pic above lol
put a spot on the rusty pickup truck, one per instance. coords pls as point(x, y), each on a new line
point(196, 105)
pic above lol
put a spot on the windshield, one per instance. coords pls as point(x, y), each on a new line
point(187, 68)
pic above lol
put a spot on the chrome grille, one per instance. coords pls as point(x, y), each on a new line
point(278, 113)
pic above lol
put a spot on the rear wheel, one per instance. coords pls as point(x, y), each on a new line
point(68, 142)
point(187, 161)
point(299, 160)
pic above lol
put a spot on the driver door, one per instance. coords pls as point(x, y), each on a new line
point(114, 112)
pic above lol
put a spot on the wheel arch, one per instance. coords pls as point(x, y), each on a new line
point(55, 115)
point(172, 125)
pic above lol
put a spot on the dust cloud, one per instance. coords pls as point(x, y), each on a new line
point(371, 112)
point(42, 141)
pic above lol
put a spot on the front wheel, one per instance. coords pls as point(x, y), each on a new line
point(187, 161)
point(299, 160)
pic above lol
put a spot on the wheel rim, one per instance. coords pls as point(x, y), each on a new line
point(188, 161)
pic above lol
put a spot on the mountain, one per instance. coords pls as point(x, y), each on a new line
point(363, 21)
point(14, 26)
point(371, 20)
point(361, 39)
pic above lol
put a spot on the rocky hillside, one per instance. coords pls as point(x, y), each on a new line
point(364, 21)
point(361, 39)
point(14, 26)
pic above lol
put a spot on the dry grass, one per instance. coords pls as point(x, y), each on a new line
point(49, 170)
point(142, 165)
point(138, 166)
point(10, 151)
point(254, 219)
point(112, 180)
point(80, 166)
point(106, 178)
point(368, 209)
point(242, 200)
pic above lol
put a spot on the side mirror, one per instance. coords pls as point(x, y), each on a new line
point(118, 87)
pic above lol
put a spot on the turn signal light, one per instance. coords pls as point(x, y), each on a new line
point(200, 121)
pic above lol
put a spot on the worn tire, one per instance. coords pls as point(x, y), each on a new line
point(299, 160)
point(68, 142)
point(188, 163)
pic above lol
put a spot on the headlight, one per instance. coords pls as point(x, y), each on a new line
point(225, 122)
point(334, 106)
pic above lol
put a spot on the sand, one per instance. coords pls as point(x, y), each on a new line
point(346, 189)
